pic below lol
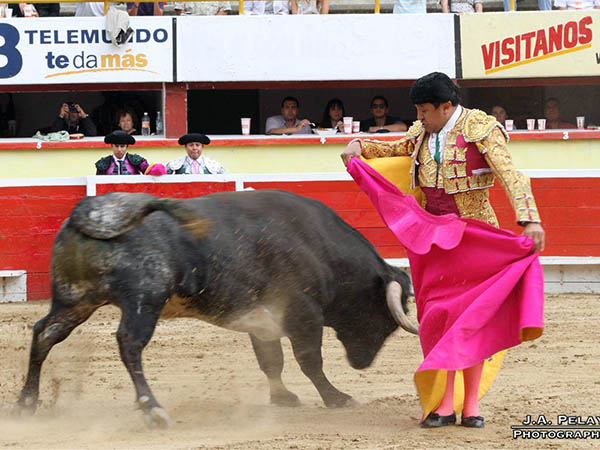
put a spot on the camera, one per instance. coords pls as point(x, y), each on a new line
point(72, 108)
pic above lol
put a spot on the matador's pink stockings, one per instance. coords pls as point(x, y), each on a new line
point(472, 378)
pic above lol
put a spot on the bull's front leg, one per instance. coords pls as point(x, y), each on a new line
point(270, 360)
point(137, 325)
point(306, 336)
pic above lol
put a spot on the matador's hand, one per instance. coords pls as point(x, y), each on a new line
point(537, 233)
point(352, 150)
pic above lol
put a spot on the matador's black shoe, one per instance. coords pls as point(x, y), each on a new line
point(434, 420)
point(472, 422)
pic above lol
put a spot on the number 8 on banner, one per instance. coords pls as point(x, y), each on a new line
point(11, 60)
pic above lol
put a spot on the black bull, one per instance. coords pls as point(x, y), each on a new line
point(268, 263)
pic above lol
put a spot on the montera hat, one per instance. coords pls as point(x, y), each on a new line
point(119, 137)
point(194, 137)
point(435, 87)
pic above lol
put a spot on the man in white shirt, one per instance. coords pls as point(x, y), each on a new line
point(287, 122)
point(577, 4)
point(266, 7)
point(195, 163)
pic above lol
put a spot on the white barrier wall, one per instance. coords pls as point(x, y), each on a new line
point(313, 47)
point(221, 48)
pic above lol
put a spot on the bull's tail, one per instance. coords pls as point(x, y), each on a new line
point(111, 215)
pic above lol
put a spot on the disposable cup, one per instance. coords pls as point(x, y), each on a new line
point(530, 124)
point(355, 126)
point(541, 124)
point(8, 12)
point(508, 124)
point(28, 10)
point(580, 122)
point(347, 125)
point(245, 126)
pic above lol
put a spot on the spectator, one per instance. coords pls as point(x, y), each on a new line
point(195, 162)
point(72, 118)
point(217, 8)
point(121, 162)
point(577, 4)
point(333, 115)
point(266, 7)
point(145, 8)
point(48, 9)
point(410, 7)
point(104, 116)
point(92, 9)
point(127, 121)
point(8, 119)
point(309, 6)
point(288, 122)
point(380, 119)
point(499, 113)
point(18, 10)
point(462, 6)
point(552, 115)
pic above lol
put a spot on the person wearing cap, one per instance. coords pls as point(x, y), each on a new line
point(457, 153)
point(194, 162)
point(121, 162)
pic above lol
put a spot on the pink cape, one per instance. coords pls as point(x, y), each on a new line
point(479, 289)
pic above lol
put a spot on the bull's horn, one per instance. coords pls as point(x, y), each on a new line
point(393, 295)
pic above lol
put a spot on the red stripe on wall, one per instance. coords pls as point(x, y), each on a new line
point(31, 216)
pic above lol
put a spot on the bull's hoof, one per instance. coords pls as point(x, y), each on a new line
point(157, 418)
point(340, 401)
point(25, 406)
point(285, 399)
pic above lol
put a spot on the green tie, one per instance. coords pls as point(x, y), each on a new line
point(437, 149)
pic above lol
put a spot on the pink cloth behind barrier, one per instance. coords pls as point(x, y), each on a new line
point(479, 289)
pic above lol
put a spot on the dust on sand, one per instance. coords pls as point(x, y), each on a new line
point(208, 381)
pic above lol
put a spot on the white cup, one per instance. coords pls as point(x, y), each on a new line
point(541, 124)
point(28, 10)
point(580, 122)
point(347, 125)
point(508, 124)
point(355, 126)
point(530, 124)
point(245, 126)
point(8, 12)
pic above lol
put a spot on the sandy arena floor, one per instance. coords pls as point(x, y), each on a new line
point(208, 381)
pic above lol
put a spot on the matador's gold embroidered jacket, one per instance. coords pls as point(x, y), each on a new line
point(474, 155)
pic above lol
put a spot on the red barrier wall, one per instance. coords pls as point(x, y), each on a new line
point(31, 216)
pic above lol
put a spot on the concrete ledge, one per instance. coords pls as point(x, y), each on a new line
point(13, 286)
point(562, 275)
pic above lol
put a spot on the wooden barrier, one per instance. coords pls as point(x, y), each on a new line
point(32, 211)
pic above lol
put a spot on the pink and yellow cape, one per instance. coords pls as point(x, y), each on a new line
point(479, 289)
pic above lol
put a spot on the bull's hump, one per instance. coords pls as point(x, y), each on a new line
point(109, 215)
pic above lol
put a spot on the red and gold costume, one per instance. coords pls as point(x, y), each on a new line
point(474, 155)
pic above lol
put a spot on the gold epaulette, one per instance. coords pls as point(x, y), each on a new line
point(478, 125)
point(415, 130)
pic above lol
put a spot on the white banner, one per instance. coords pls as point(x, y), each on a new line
point(78, 50)
point(314, 47)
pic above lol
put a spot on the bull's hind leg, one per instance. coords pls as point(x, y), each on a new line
point(137, 325)
point(47, 332)
point(306, 336)
point(270, 360)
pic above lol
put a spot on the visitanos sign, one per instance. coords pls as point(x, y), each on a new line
point(535, 44)
point(78, 50)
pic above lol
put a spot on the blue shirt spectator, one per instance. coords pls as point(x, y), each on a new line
point(145, 8)
point(410, 7)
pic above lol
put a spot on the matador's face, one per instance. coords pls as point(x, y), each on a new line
point(432, 118)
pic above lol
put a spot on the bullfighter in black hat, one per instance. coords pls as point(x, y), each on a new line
point(457, 153)
point(195, 162)
point(121, 162)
